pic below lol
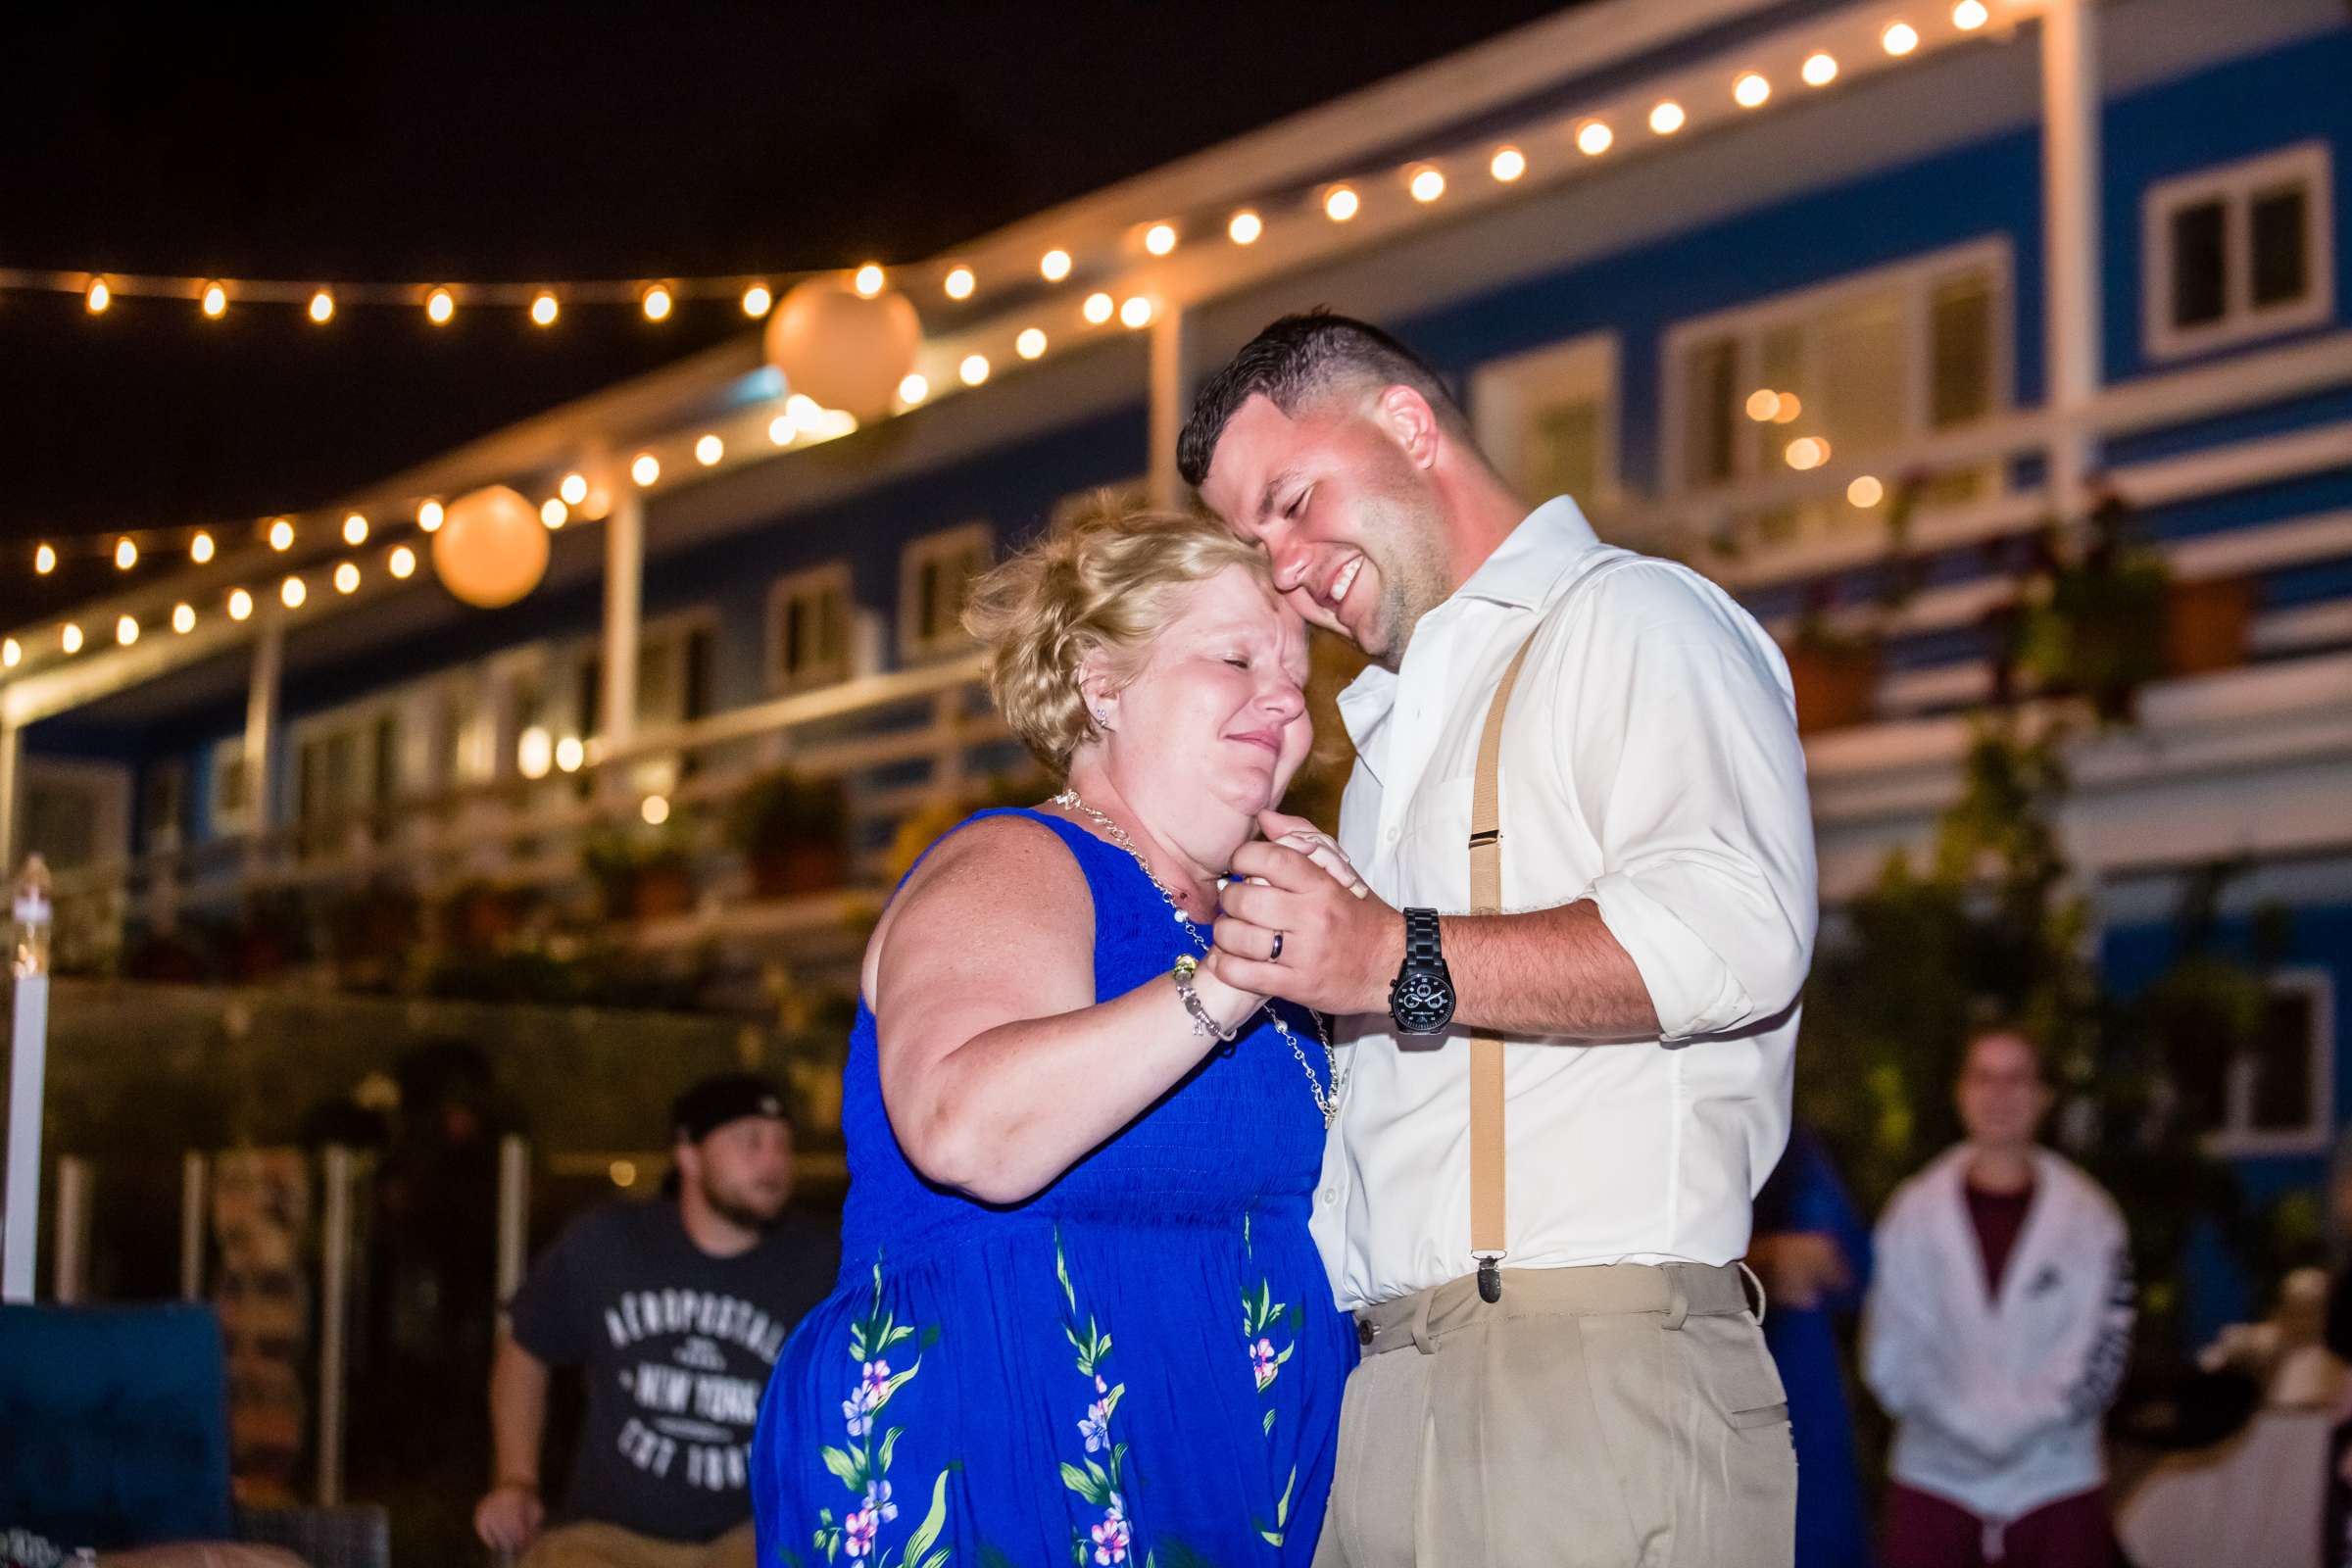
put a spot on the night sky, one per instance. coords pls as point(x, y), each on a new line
point(534, 143)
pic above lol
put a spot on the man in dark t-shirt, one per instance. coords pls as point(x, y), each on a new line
point(676, 1311)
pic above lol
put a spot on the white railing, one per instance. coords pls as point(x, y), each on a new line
point(903, 741)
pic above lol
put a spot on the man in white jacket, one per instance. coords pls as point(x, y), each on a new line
point(1995, 1336)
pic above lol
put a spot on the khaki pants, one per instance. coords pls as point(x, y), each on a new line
point(1625, 1416)
point(592, 1543)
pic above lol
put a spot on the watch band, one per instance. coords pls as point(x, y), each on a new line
point(1421, 938)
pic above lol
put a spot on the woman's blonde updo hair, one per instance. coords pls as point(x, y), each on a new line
point(1104, 580)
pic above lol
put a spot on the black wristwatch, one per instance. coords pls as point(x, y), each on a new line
point(1421, 997)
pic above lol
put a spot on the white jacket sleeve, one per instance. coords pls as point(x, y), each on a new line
point(1683, 754)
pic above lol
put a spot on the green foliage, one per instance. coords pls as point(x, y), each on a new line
point(2093, 627)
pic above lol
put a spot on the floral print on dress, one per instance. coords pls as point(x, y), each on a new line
point(1263, 1318)
point(1098, 1482)
point(863, 1464)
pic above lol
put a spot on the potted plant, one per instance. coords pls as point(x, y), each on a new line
point(641, 875)
point(794, 833)
point(1835, 672)
point(2093, 625)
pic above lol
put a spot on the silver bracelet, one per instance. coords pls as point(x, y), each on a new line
point(1206, 1027)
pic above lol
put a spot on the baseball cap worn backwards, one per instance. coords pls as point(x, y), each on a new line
point(711, 1104)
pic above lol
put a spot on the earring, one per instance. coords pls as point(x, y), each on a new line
point(1102, 718)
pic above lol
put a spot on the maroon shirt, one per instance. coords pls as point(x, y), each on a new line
point(1998, 1217)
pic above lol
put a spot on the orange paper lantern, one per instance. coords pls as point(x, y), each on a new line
point(842, 350)
point(491, 548)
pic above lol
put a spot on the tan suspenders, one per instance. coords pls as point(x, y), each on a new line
point(1485, 1049)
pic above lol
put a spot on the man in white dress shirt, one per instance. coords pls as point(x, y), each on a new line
point(1616, 1404)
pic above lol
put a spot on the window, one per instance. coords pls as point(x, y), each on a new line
point(76, 813)
point(932, 577)
point(1548, 419)
point(163, 803)
point(347, 774)
point(229, 811)
point(2279, 1096)
point(809, 624)
point(2238, 253)
point(1859, 367)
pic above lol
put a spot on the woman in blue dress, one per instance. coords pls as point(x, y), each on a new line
point(1080, 1318)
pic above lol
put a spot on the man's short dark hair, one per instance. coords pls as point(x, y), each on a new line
point(1299, 358)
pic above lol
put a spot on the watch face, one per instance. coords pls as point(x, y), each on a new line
point(1422, 1000)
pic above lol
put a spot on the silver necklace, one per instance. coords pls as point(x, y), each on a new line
point(1327, 1103)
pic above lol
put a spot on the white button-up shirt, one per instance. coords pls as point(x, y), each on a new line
point(1651, 765)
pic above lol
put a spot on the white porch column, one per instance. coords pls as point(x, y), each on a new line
point(624, 603)
point(11, 761)
point(2070, 180)
point(1172, 346)
point(262, 739)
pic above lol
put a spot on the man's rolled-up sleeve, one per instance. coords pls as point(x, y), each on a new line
point(1681, 750)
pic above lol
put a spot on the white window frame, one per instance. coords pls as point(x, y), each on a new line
point(811, 585)
point(2234, 185)
point(361, 716)
point(106, 787)
point(226, 821)
point(1748, 322)
point(2237, 1137)
point(946, 544)
point(1502, 392)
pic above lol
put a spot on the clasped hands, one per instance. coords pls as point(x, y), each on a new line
point(1298, 922)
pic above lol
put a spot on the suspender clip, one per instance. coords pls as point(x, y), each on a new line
point(1490, 1277)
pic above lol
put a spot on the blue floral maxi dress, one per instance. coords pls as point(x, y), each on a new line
point(1140, 1364)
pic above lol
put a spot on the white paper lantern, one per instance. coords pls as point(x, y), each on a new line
point(841, 350)
point(491, 548)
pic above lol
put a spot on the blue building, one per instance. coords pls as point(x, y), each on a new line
point(1734, 273)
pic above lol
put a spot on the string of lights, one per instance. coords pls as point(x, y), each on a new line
point(1421, 183)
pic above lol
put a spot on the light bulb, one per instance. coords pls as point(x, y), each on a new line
point(127, 630)
point(646, 470)
point(1762, 404)
point(439, 306)
point(959, 283)
point(323, 307)
point(974, 369)
point(756, 300)
point(655, 302)
point(68, 638)
point(1507, 164)
point(1820, 70)
point(1428, 184)
point(402, 562)
point(1098, 308)
point(708, 449)
point(10, 654)
point(216, 300)
point(292, 593)
point(554, 513)
point(1970, 15)
point(99, 297)
point(355, 529)
point(1750, 90)
point(1666, 117)
point(543, 308)
point(1340, 202)
point(1159, 238)
point(281, 535)
point(781, 428)
point(534, 749)
point(183, 618)
point(1136, 312)
point(240, 604)
point(573, 489)
point(655, 811)
point(44, 559)
point(1030, 344)
point(912, 389)
point(126, 553)
point(1900, 38)
point(869, 282)
point(1865, 491)
point(1593, 138)
point(570, 754)
point(1243, 227)
point(1054, 266)
point(428, 515)
point(347, 577)
point(200, 548)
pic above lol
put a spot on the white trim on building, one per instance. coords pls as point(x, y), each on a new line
point(2215, 209)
